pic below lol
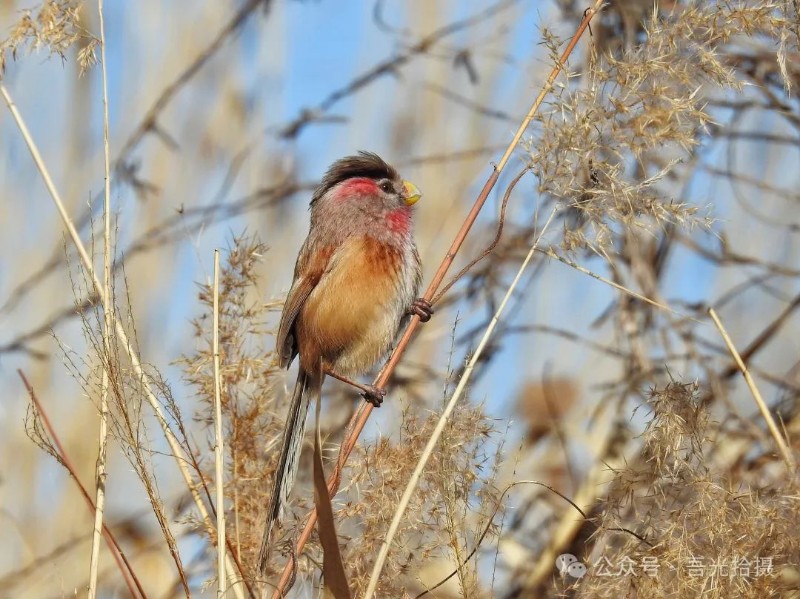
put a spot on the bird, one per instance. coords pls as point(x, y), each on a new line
point(355, 285)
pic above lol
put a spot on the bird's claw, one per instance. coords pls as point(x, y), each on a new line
point(422, 308)
point(374, 395)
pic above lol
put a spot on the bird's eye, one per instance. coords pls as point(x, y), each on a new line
point(386, 186)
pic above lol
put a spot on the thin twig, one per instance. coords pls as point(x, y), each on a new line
point(108, 330)
point(219, 451)
point(497, 506)
point(189, 221)
point(489, 248)
point(762, 406)
point(150, 121)
point(551, 253)
point(385, 67)
point(121, 165)
point(131, 580)
point(556, 423)
point(612, 459)
point(147, 383)
point(468, 103)
point(360, 418)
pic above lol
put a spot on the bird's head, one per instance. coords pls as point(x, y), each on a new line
point(365, 185)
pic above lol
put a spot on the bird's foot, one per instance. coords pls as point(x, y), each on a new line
point(422, 308)
point(373, 394)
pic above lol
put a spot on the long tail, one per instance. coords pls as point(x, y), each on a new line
point(291, 445)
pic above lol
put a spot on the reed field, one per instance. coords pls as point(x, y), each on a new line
point(606, 402)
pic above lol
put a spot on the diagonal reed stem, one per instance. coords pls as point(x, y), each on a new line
point(783, 447)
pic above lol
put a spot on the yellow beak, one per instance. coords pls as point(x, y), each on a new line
point(412, 194)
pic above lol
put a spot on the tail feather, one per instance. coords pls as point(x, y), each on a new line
point(289, 460)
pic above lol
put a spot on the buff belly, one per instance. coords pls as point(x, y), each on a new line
point(351, 318)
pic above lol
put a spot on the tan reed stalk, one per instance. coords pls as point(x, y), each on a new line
point(108, 327)
point(785, 452)
point(219, 450)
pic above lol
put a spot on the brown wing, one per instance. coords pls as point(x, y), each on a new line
point(311, 264)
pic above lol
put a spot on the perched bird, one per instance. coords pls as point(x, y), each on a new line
point(355, 282)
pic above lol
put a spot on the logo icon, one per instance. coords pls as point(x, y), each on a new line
point(568, 565)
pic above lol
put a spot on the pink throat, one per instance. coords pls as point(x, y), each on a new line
point(399, 220)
